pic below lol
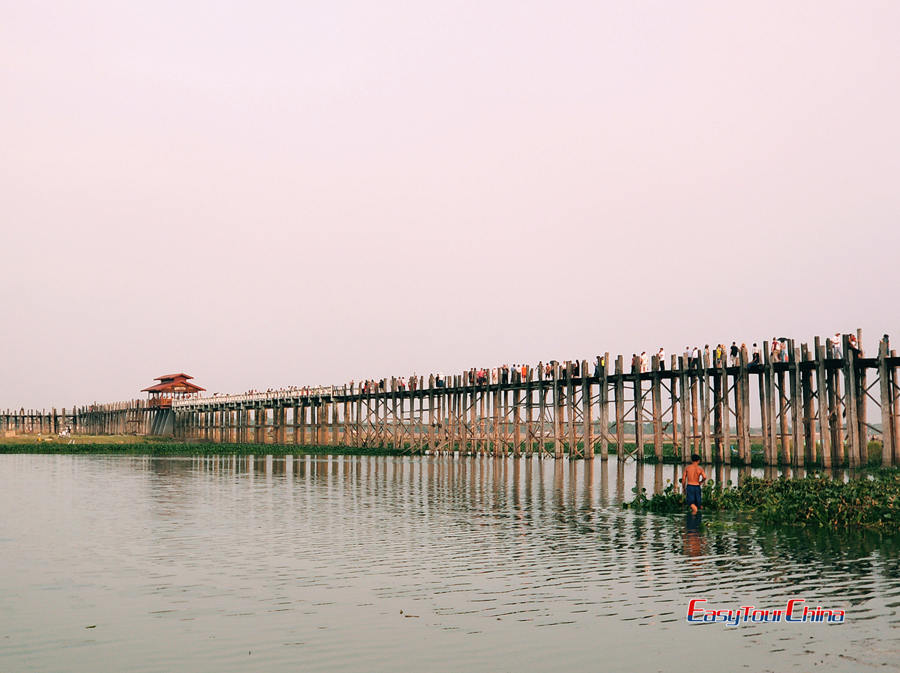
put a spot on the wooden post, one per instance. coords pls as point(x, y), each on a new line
point(685, 386)
point(768, 375)
point(717, 389)
point(529, 413)
point(570, 410)
point(726, 410)
point(850, 403)
point(834, 420)
point(482, 417)
point(603, 393)
point(797, 405)
point(495, 420)
point(862, 402)
point(809, 426)
point(822, 396)
point(739, 394)
point(587, 407)
point(335, 423)
point(557, 413)
point(694, 370)
point(638, 409)
point(315, 420)
point(620, 409)
point(783, 410)
point(262, 419)
point(673, 395)
point(517, 420)
point(895, 416)
point(656, 404)
point(887, 404)
point(348, 437)
point(295, 426)
point(452, 413)
point(704, 419)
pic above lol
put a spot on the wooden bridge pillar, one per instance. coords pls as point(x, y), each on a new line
point(822, 402)
point(587, 407)
point(809, 424)
point(603, 394)
point(895, 395)
point(705, 443)
point(638, 409)
point(684, 385)
point(620, 409)
point(851, 406)
point(726, 409)
point(783, 406)
point(656, 406)
point(768, 376)
point(862, 402)
point(887, 404)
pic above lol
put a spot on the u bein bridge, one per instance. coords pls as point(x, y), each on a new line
point(812, 407)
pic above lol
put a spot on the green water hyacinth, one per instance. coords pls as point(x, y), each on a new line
point(869, 502)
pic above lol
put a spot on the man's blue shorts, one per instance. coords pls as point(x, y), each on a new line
point(693, 494)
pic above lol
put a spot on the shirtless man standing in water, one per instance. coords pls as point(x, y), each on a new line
point(691, 480)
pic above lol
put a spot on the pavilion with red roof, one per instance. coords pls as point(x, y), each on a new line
point(171, 386)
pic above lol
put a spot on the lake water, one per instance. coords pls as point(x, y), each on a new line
point(409, 564)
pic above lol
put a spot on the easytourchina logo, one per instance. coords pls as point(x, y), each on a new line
point(795, 612)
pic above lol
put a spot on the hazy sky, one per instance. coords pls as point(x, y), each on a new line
point(274, 193)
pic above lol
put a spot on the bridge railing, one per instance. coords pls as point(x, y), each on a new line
point(282, 395)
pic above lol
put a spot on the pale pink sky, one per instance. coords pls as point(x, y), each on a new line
point(275, 193)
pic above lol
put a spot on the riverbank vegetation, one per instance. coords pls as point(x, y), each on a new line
point(156, 446)
point(868, 501)
point(134, 444)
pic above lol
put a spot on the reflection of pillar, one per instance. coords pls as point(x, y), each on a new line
point(604, 483)
point(587, 496)
point(620, 480)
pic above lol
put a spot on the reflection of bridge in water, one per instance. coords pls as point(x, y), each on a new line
point(813, 409)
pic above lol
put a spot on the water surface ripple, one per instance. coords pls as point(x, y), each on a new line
point(350, 563)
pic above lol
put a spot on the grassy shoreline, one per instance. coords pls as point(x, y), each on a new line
point(155, 446)
point(133, 444)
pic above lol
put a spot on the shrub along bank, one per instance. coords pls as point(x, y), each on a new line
point(871, 501)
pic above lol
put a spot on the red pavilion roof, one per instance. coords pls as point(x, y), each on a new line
point(173, 383)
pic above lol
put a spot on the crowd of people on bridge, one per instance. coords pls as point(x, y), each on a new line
point(693, 357)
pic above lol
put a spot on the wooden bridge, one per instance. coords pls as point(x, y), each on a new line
point(812, 407)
